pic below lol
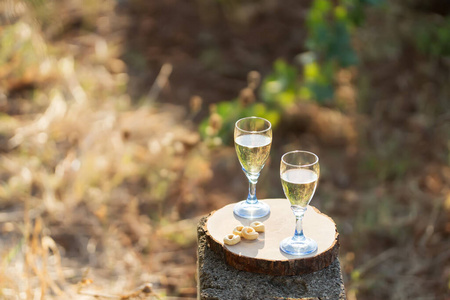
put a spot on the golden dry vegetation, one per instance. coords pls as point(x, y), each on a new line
point(104, 175)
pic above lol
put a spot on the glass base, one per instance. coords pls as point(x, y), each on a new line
point(251, 211)
point(299, 247)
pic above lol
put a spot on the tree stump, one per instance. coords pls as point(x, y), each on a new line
point(270, 273)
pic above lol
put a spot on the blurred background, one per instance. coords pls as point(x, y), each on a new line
point(116, 122)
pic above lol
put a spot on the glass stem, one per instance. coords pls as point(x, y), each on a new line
point(299, 213)
point(252, 180)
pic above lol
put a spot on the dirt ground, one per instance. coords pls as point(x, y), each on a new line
point(102, 185)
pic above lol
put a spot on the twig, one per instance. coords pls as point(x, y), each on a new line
point(48, 243)
point(160, 82)
point(11, 216)
point(442, 119)
point(429, 230)
point(46, 280)
point(96, 295)
point(16, 216)
point(145, 289)
point(26, 235)
point(377, 260)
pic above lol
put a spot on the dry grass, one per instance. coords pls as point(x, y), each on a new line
point(100, 196)
point(86, 177)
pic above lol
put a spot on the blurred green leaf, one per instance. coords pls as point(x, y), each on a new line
point(282, 79)
point(330, 49)
point(433, 38)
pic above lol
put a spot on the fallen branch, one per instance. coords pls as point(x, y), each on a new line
point(160, 82)
point(143, 290)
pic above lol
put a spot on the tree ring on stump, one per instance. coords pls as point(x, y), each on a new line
point(263, 255)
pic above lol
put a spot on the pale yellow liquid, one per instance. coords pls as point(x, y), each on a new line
point(253, 151)
point(299, 185)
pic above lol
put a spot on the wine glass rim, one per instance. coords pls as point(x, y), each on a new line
point(253, 117)
point(300, 165)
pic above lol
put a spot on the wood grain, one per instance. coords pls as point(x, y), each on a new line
point(263, 255)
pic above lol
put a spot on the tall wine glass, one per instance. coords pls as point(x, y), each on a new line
point(252, 139)
point(299, 172)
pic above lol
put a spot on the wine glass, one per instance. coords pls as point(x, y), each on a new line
point(252, 139)
point(299, 172)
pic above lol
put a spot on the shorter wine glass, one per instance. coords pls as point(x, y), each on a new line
point(299, 172)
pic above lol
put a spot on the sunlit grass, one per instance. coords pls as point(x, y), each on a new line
point(84, 172)
point(99, 195)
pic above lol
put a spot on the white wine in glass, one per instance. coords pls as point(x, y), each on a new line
point(299, 185)
point(252, 138)
point(299, 173)
point(253, 151)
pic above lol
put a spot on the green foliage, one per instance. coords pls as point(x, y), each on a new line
point(278, 91)
point(433, 38)
point(329, 33)
point(329, 28)
point(13, 252)
point(317, 81)
point(20, 48)
point(228, 112)
point(329, 38)
point(280, 87)
point(356, 9)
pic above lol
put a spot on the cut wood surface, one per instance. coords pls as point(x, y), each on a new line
point(264, 255)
